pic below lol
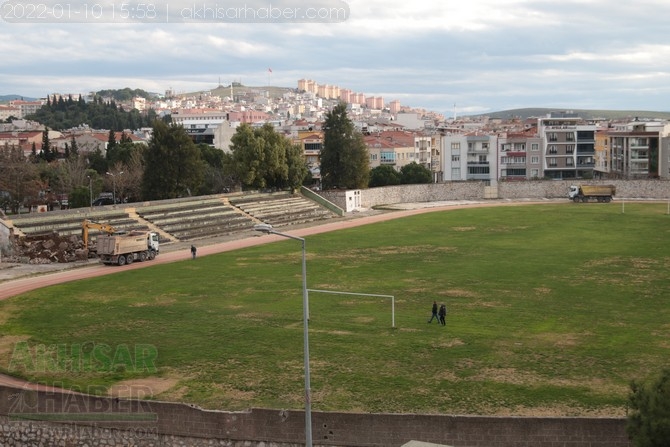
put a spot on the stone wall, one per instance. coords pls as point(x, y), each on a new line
point(96, 421)
point(540, 189)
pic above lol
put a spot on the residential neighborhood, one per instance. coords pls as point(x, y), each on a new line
point(559, 145)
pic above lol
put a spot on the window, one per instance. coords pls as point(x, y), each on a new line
point(570, 149)
point(455, 173)
point(553, 149)
point(552, 136)
point(552, 162)
point(535, 160)
point(455, 158)
point(485, 146)
point(570, 136)
point(534, 173)
point(456, 146)
point(534, 147)
point(569, 162)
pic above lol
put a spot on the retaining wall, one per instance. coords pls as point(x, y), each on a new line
point(470, 190)
point(97, 421)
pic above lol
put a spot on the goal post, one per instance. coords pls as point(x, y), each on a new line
point(372, 295)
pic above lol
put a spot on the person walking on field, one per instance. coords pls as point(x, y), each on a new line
point(194, 251)
point(442, 314)
point(434, 316)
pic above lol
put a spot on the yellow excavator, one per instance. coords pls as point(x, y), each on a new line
point(87, 225)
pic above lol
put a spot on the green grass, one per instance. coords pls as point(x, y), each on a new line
point(553, 309)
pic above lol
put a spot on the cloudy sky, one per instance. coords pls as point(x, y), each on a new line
point(479, 55)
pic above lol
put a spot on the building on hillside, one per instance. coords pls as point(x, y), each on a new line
point(568, 146)
point(470, 156)
point(23, 140)
point(519, 156)
point(9, 111)
point(411, 121)
point(26, 107)
point(392, 148)
point(311, 144)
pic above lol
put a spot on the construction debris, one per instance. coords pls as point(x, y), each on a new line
point(47, 248)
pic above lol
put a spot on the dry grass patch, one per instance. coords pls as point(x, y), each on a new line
point(145, 388)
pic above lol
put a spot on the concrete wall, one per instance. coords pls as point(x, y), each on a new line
point(95, 421)
point(540, 189)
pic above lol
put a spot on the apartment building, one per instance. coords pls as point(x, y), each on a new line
point(470, 156)
point(311, 143)
point(519, 156)
point(395, 148)
point(630, 152)
point(568, 146)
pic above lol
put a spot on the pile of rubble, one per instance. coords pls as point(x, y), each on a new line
point(47, 248)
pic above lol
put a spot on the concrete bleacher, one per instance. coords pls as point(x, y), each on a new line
point(67, 223)
point(195, 219)
point(182, 219)
point(281, 209)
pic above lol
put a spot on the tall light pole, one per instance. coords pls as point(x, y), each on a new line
point(114, 185)
point(265, 228)
point(90, 191)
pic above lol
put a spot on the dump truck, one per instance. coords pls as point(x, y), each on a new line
point(88, 225)
point(121, 249)
point(584, 193)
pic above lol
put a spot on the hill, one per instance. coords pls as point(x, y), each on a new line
point(7, 98)
point(238, 89)
point(582, 113)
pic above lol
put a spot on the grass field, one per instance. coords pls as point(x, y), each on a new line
point(553, 310)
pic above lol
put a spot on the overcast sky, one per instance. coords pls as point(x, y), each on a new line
point(481, 55)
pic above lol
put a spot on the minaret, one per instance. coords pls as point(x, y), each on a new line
point(454, 111)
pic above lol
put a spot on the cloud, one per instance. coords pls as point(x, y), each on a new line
point(480, 54)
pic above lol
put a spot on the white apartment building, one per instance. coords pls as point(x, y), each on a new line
point(470, 157)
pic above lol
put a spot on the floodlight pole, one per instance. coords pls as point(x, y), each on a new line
point(266, 228)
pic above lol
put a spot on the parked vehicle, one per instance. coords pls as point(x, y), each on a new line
point(584, 193)
point(127, 248)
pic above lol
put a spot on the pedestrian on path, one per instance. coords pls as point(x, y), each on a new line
point(194, 251)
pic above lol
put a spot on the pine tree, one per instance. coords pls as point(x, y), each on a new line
point(344, 158)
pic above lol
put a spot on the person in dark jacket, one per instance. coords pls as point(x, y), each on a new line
point(194, 251)
point(434, 316)
point(442, 313)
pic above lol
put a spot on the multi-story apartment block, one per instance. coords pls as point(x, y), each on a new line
point(470, 157)
point(393, 148)
point(569, 147)
point(519, 156)
point(311, 143)
point(630, 152)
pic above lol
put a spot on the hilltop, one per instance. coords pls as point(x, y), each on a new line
point(582, 113)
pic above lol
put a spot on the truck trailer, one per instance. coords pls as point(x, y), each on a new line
point(127, 248)
point(584, 193)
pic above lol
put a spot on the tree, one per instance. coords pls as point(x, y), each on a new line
point(383, 175)
point(19, 177)
point(414, 173)
point(345, 161)
point(46, 154)
point(172, 167)
point(648, 422)
point(262, 158)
